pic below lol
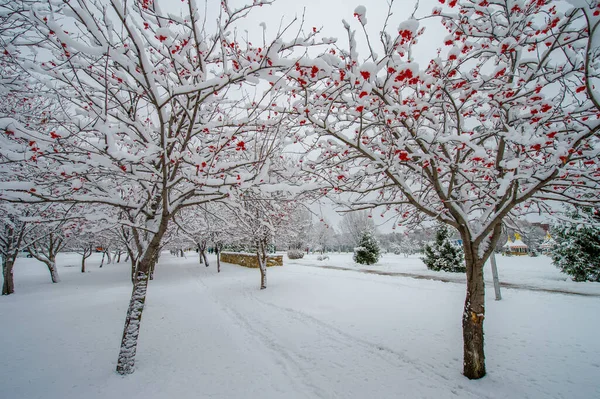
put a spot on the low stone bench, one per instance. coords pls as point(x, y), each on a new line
point(249, 260)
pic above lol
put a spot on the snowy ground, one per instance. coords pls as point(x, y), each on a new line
point(314, 333)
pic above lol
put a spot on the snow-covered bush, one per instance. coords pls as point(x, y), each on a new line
point(367, 252)
point(295, 254)
point(577, 249)
point(442, 255)
point(322, 257)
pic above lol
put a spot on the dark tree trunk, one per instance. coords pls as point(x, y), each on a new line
point(217, 251)
point(133, 270)
point(152, 270)
point(103, 255)
point(119, 256)
point(205, 258)
point(87, 252)
point(8, 287)
point(473, 316)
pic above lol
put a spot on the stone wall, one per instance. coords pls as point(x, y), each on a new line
point(249, 260)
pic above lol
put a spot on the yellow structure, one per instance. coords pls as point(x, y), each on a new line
point(516, 247)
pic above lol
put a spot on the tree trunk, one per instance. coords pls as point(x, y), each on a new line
point(472, 322)
point(119, 256)
point(217, 251)
point(133, 270)
point(108, 257)
point(87, 252)
point(8, 287)
point(131, 332)
point(262, 264)
point(51, 263)
point(152, 270)
point(102, 262)
point(205, 258)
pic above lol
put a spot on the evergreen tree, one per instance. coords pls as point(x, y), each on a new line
point(442, 255)
point(577, 249)
point(367, 252)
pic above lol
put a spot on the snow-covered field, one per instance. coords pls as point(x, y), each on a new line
point(314, 333)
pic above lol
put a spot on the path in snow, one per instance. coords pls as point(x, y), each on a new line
point(458, 279)
point(318, 359)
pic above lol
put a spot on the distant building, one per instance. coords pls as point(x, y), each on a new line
point(516, 247)
point(548, 243)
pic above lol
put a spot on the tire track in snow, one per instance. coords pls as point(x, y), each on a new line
point(279, 354)
point(312, 353)
point(394, 358)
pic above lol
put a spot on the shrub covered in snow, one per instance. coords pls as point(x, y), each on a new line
point(295, 254)
point(577, 249)
point(442, 255)
point(322, 257)
point(367, 252)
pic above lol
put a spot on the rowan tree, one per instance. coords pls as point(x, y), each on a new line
point(504, 118)
point(159, 112)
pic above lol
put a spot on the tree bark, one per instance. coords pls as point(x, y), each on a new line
point(102, 262)
point(217, 251)
point(262, 264)
point(472, 321)
point(87, 252)
point(51, 263)
point(152, 270)
point(131, 332)
point(134, 268)
point(205, 258)
point(8, 287)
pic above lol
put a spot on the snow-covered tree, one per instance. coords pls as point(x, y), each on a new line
point(502, 119)
point(441, 255)
point(367, 252)
point(302, 224)
point(12, 231)
point(322, 235)
point(149, 123)
point(355, 224)
point(50, 235)
point(260, 216)
point(577, 249)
